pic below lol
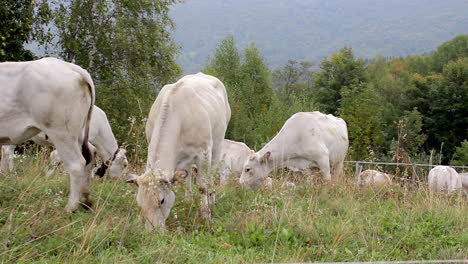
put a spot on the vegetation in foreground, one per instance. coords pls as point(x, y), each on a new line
point(316, 222)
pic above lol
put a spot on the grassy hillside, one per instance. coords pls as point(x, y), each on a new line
point(309, 223)
point(310, 30)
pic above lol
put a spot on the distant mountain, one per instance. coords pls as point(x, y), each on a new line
point(312, 29)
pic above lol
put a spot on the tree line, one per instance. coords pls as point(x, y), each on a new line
point(403, 109)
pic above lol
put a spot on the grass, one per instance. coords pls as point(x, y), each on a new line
point(308, 223)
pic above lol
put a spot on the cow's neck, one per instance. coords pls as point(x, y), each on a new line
point(106, 146)
point(279, 153)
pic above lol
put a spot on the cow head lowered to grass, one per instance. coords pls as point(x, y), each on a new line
point(116, 166)
point(155, 196)
point(256, 170)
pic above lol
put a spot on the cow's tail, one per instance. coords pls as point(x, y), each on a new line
point(86, 152)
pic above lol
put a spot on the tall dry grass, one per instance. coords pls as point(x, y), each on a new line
point(312, 221)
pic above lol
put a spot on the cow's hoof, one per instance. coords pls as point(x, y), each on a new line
point(71, 208)
point(87, 204)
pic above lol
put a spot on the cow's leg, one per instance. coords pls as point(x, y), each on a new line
point(324, 166)
point(337, 170)
point(204, 182)
point(54, 162)
point(188, 185)
point(8, 156)
point(225, 174)
point(80, 172)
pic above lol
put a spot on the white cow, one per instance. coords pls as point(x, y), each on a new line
point(307, 139)
point(374, 178)
point(233, 156)
point(444, 179)
point(103, 140)
point(55, 97)
point(464, 179)
point(185, 128)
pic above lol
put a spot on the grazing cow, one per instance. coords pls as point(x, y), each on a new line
point(444, 179)
point(57, 98)
point(233, 156)
point(103, 139)
point(185, 128)
point(104, 142)
point(464, 179)
point(374, 178)
point(307, 139)
point(8, 155)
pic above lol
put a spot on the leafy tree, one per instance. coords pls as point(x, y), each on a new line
point(126, 46)
point(226, 65)
point(461, 154)
point(410, 136)
point(248, 83)
point(447, 119)
point(256, 78)
point(339, 71)
point(226, 62)
point(421, 64)
point(418, 95)
point(361, 109)
point(449, 51)
point(293, 78)
point(15, 29)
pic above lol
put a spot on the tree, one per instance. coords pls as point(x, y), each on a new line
point(410, 136)
point(361, 108)
point(15, 29)
point(447, 119)
point(256, 78)
point(461, 155)
point(226, 62)
point(248, 84)
point(339, 71)
point(449, 51)
point(226, 65)
point(293, 78)
point(127, 48)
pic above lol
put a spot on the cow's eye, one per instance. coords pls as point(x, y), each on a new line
point(161, 202)
point(247, 170)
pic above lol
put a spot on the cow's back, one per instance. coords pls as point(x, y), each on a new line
point(43, 94)
point(314, 129)
point(235, 154)
point(444, 179)
point(193, 113)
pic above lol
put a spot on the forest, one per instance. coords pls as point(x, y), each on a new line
point(404, 109)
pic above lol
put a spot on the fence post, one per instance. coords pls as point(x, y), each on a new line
point(358, 169)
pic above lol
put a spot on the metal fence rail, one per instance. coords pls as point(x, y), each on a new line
point(404, 164)
point(414, 179)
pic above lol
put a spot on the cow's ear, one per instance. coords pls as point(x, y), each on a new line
point(133, 180)
point(265, 157)
point(252, 155)
point(179, 176)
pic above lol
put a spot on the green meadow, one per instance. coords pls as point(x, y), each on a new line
point(309, 222)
